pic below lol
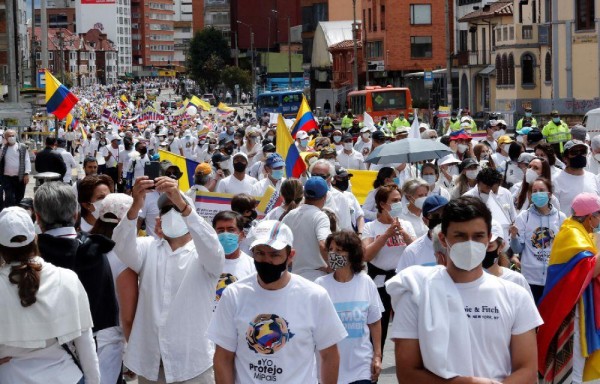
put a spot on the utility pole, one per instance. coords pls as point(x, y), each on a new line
point(289, 53)
point(32, 48)
point(364, 47)
point(44, 27)
point(62, 58)
point(448, 58)
point(355, 63)
point(13, 94)
point(253, 72)
point(237, 62)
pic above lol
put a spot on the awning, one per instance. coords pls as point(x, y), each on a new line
point(438, 73)
point(490, 70)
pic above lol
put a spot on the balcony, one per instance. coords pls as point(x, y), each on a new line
point(480, 57)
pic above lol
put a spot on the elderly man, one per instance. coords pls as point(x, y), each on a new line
point(178, 276)
point(15, 168)
point(568, 341)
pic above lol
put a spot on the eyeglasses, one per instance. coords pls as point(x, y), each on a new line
point(324, 177)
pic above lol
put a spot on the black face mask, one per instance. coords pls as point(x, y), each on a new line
point(143, 152)
point(490, 258)
point(342, 185)
point(239, 167)
point(434, 222)
point(229, 150)
point(252, 216)
point(578, 162)
point(270, 273)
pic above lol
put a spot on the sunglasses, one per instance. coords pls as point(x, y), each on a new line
point(324, 177)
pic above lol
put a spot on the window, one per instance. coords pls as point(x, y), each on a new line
point(527, 32)
point(421, 46)
point(369, 20)
point(463, 38)
point(548, 11)
point(50, 56)
point(548, 67)
point(499, 73)
point(374, 49)
point(511, 70)
point(420, 14)
point(375, 15)
point(527, 69)
point(382, 17)
point(584, 15)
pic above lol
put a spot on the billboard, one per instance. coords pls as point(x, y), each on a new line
point(97, 1)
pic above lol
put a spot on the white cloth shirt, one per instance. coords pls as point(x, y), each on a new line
point(358, 305)
point(567, 186)
point(114, 155)
point(69, 162)
point(260, 187)
point(176, 299)
point(232, 185)
point(340, 205)
point(309, 225)
point(354, 160)
point(11, 161)
point(275, 333)
point(419, 252)
point(389, 256)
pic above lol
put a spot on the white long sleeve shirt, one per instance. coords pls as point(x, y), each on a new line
point(177, 291)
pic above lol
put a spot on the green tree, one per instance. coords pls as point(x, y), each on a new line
point(208, 44)
point(233, 75)
point(211, 72)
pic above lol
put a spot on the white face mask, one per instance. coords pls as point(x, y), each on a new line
point(430, 179)
point(96, 212)
point(531, 176)
point(396, 210)
point(467, 255)
point(224, 165)
point(496, 135)
point(172, 224)
point(366, 136)
point(462, 148)
point(472, 174)
point(519, 139)
point(484, 197)
point(453, 170)
point(419, 202)
point(11, 140)
point(347, 146)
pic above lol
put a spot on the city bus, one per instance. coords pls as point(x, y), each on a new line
point(284, 102)
point(380, 101)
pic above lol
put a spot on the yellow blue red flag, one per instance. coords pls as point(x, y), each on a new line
point(223, 109)
point(305, 120)
point(59, 100)
point(286, 147)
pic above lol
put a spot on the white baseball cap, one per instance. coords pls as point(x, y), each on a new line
point(116, 203)
point(15, 221)
point(449, 159)
point(272, 233)
point(497, 231)
point(302, 135)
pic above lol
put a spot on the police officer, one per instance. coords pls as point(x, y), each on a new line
point(399, 121)
point(347, 120)
point(529, 116)
point(454, 123)
point(556, 132)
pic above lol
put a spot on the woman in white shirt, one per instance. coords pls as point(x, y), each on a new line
point(111, 341)
point(385, 176)
point(358, 305)
point(415, 191)
point(431, 174)
point(385, 240)
point(533, 233)
point(90, 191)
point(538, 167)
point(44, 308)
point(292, 193)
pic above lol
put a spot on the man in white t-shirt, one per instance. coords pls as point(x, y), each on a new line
point(229, 226)
point(459, 322)
point(574, 179)
point(336, 201)
point(348, 157)
point(420, 251)
point(311, 226)
point(188, 144)
point(239, 181)
point(111, 153)
point(268, 326)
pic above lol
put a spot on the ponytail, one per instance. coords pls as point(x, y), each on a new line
point(25, 275)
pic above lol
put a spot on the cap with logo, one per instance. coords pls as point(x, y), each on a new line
point(274, 160)
point(273, 233)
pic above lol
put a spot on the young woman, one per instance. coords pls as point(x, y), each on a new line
point(385, 240)
point(538, 167)
point(43, 308)
point(292, 192)
point(533, 233)
point(415, 192)
point(352, 291)
point(111, 341)
point(468, 168)
point(90, 191)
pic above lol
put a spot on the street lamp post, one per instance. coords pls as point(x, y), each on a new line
point(252, 53)
point(355, 49)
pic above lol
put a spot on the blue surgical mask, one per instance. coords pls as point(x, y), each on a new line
point(397, 180)
point(527, 114)
point(556, 120)
point(229, 241)
point(540, 199)
point(304, 142)
point(277, 174)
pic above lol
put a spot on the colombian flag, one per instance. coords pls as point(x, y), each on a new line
point(570, 282)
point(286, 147)
point(186, 166)
point(59, 100)
point(223, 109)
point(305, 120)
point(199, 103)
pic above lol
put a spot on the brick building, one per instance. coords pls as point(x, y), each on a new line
point(404, 37)
point(343, 61)
point(106, 55)
point(58, 18)
point(153, 39)
point(197, 15)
